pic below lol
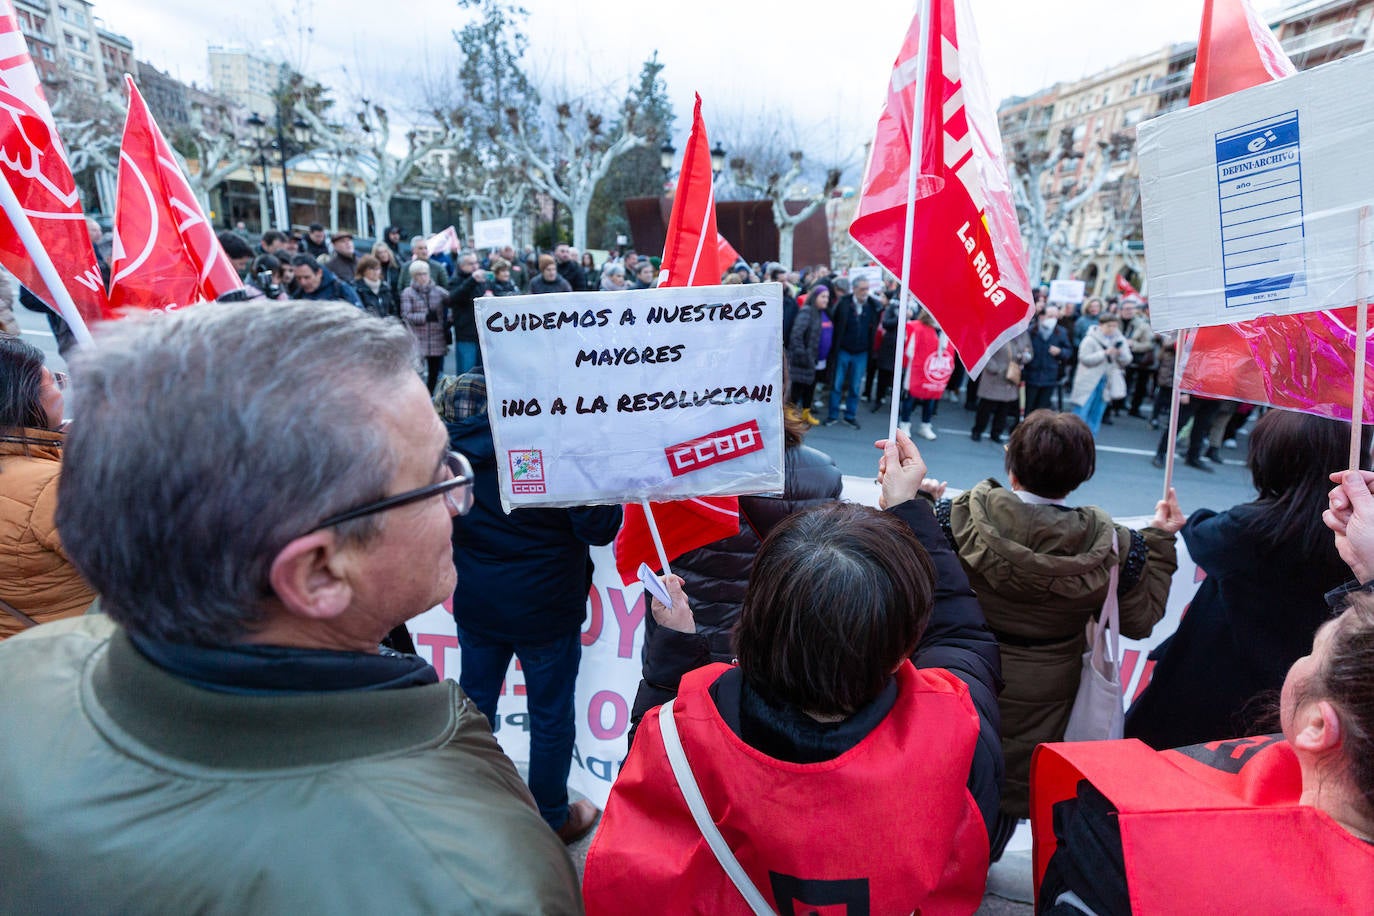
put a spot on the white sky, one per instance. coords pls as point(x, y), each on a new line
point(825, 64)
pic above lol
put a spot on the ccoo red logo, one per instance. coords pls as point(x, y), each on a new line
point(713, 448)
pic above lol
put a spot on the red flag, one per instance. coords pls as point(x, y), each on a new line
point(690, 258)
point(1124, 287)
point(1301, 362)
point(726, 256)
point(967, 266)
point(35, 167)
point(166, 255)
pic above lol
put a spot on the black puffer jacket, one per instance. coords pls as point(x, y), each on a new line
point(716, 576)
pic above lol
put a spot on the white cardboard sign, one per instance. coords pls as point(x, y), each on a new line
point(493, 233)
point(1066, 291)
point(613, 397)
point(1251, 202)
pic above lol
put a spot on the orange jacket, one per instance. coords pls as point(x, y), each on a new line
point(35, 575)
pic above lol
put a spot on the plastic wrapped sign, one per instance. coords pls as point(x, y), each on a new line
point(1251, 202)
point(614, 397)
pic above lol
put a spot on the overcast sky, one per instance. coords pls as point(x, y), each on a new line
point(827, 64)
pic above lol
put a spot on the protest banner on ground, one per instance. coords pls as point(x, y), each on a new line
point(493, 233)
point(614, 397)
point(1066, 291)
point(613, 636)
point(1251, 202)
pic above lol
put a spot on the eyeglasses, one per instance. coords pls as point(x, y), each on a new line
point(457, 491)
point(60, 379)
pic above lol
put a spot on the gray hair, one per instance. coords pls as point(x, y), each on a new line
point(418, 267)
point(211, 438)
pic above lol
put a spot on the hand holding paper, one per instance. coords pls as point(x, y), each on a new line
point(678, 614)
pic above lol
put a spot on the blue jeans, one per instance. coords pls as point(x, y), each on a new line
point(550, 671)
point(849, 375)
point(464, 356)
point(1096, 406)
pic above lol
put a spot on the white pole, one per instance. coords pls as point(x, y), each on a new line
point(913, 173)
point(653, 532)
point(9, 201)
point(1185, 336)
point(1361, 346)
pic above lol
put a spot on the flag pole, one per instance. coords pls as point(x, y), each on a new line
point(1361, 343)
point(913, 173)
point(1185, 336)
point(653, 532)
point(66, 306)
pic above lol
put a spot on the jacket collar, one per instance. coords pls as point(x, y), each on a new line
point(143, 708)
point(35, 443)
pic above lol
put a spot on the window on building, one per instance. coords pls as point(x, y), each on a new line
point(1080, 131)
point(1107, 96)
point(84, 44)
point(1135, 116)
point(48, 55)
point(69, 38)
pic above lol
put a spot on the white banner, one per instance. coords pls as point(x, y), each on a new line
point(493, 233)
point(613, 397)
point(445, 242)
point(1251, 203)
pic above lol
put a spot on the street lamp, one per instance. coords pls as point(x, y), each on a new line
point(717, 159)
point(667, 154)
point(300, 137)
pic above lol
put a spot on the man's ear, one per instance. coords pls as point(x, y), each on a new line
point(308, 577)
point(1319, 728)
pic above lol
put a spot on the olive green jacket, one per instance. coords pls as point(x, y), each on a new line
point(1041, 572)
point(126, 790)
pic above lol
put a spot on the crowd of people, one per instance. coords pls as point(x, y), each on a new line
point(239, 718)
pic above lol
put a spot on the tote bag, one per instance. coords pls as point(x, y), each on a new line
point(1097, 711)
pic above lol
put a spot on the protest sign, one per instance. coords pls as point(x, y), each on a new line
point(615, 397)
point(493, 233)
point(444, 242)
point(1251, 202)
point(1066, 291)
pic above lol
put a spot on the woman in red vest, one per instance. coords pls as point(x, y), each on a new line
point(1120, 828)
point(824, 769)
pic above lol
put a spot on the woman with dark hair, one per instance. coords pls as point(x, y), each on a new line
point(37, 581)
point(849, 758)
point(589, 265)
point(377, 295)
point(808, 348)
point(1042, 569)
point(1268, 564)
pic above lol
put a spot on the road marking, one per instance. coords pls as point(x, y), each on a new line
point(1115, 449)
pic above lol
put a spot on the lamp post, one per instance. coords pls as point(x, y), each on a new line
point(667, 155)
point(300, 136)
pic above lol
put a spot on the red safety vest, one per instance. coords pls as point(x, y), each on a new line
point(1209, 829)
point(887, 827)
point(931, 365)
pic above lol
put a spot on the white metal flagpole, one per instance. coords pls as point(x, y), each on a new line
point(9, 201)
point(653, 532)
point(1361, 344)
point(1185, 336)
point(913, 174)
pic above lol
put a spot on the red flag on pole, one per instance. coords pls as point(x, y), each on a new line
point(969, 267)
point(691, 257)
point(165, 252)
point(42, 226)
point(1302, 362)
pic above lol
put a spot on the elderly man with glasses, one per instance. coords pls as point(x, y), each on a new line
point(228, 734)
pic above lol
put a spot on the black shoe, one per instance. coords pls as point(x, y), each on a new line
point(998, 440)
point(850, 421)
point(1135, 413)
point(1157, 461)
point(976, 436)
point(1107, 421)
point(1214, 456)
point(1194, 463)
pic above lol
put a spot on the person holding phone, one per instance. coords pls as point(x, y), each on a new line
point(1102, 360)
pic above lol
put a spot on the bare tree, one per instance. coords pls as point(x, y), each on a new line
point(779, 188)
point(1047, 218)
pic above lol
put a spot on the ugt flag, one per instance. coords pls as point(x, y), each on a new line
point(165, 252)
point(34, 164)
point(968, 266)
point(1303, 362)
point(691, 257)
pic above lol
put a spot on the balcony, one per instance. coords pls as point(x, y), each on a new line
point(1354, 30)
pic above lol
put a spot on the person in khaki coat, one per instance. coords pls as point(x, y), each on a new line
point(36, 578)
point(1041, 570)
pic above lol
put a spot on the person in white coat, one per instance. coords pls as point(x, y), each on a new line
point(1102, 360)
